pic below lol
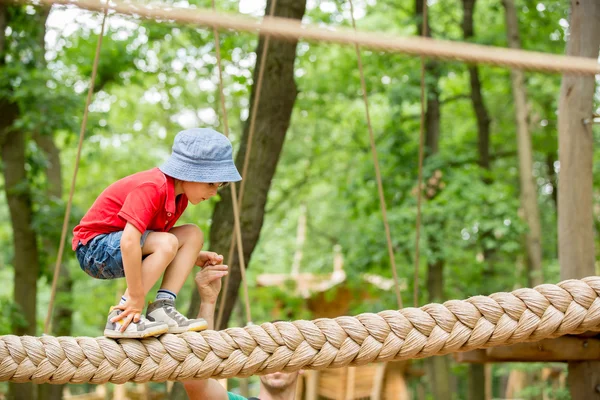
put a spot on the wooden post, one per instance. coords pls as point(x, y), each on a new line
point(575, 183)
point(378, 381)
point(529, 198)
point(312, 384)
point(576, 148)
point(563, 349)
point(120, 393)
point(476, 381)
point(584, 380)
point(350, 381)
point(488, 382)
point(299, 386)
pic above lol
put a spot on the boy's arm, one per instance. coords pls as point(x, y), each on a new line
point(131, 252)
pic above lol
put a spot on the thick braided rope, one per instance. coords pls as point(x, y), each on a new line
point(284, 28)
point(548, 311)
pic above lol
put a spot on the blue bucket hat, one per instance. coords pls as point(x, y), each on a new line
point(201, 155)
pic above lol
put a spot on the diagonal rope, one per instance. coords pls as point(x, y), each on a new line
point(290, 29)
point(236, 211)
point(420, 175)
point(382, 204)
point(524, 315)
point(63, 235)
point(255, 103)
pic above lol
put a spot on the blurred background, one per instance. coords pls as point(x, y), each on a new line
point(314, 239)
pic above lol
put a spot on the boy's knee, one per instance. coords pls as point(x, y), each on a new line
point(170, 245)
point(193, 234)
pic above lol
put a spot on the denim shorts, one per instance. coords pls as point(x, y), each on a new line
point(101, 258)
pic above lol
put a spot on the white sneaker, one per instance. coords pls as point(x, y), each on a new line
point(164, 311)
point(135, 330)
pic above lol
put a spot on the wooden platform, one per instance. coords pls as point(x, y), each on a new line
point(563, 349)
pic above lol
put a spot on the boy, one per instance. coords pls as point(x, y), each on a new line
point(129, 232)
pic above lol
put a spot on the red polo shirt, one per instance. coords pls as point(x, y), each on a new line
point(146, 200)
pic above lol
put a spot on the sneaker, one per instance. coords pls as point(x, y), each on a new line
point(135, 330)
point(164, 311)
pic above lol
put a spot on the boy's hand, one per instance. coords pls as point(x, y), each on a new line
point(132, 311)
point(208, 281)
point(208, 258)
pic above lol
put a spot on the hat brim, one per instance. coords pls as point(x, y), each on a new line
point(208, 172)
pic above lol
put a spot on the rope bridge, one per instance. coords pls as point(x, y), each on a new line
point(284, 28)
point(547, 311)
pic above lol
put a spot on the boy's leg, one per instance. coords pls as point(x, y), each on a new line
point(190, 241)
point(160, 248)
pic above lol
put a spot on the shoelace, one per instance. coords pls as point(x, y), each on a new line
point(179, 317)
point(142, 320)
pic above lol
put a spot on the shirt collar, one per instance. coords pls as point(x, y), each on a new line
point(170, 204)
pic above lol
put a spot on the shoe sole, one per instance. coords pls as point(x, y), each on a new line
point(109, 333)
point(196, 327)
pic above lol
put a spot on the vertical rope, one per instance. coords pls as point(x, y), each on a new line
point(236, 211)
point(255, 103)
point(421, 156)
point(382, 204)
point(63, 235)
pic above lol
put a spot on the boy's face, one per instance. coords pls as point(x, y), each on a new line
point(199, 191)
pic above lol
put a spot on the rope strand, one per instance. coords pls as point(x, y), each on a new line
point(380, 191)
point(236, 212)
point(524, 315)
point(290, 29)
point(261, 72)
point(63, 235)
point(420, 174)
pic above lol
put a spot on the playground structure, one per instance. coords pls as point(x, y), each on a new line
point(547, 311)
point(524, 315)
point(326, 296)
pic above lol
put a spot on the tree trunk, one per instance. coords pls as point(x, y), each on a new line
point(26, 264)
point(575, 182)
point(62, 320)
point(529, 201)
point(438, 368)
point(3, 24)
point(481, 113)
point(19, 199)
point(476, 387)
point(278, 95)
point(272, 121)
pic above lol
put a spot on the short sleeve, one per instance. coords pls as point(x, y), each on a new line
point(141, 205)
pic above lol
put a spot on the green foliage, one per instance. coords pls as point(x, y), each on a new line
point(157, 78)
